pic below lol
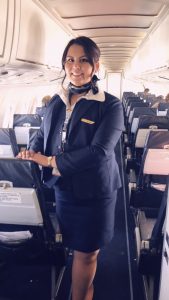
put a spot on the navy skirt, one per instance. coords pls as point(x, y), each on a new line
point(85, 227)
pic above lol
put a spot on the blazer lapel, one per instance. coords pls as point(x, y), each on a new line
point(81, 107)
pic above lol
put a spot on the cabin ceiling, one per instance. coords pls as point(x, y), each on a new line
point(118, 27)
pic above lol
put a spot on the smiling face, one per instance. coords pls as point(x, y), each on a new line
point(77, 67)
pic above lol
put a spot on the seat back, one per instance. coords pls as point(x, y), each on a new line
point(146, 120)
point(157, 162)
point(28, 236)
point(21, 199)
point(147, 124)
point(41, 111)
point(22, 123)
point(162, 112)
point(137, 113)
point(163, 106)
point(26, 120)
point(149, 235)
point(142, 136)
point(8, 144)
point(133, 104)
point(129, 100)
point(157, 140)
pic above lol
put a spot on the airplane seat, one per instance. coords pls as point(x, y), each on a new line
point(154, 169)
point(157, 139)
point(145, 198)
point(133, 125)
point(140, 111)
point(30, 120)
point(132, 129)
point(131, 121)
point(21, 124)
point(149, 238)
point(163, 106)
point(29, 233)
point(161, 112)
point(140, 94)
point(40, 111)
point(129, 116)
point(162, 109)
point(137, 103)
point(146, 123)
point(127, 94)
point(126, 106)
point(150, 98)
point(8, 144)
point(131, 105)
point(132, 98)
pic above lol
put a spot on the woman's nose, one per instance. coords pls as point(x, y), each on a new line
point(76, 65)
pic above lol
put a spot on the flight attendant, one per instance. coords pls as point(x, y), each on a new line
point(75, 145)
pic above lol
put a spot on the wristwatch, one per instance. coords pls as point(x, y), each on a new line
point(49, 158)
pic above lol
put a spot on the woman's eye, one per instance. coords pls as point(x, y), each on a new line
point(69, 60)
point(84, 60)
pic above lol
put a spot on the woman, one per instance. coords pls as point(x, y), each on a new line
point(80, 130)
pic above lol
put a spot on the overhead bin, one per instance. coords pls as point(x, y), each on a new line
point(31, 38)
point(151, 61)
point(6, 29)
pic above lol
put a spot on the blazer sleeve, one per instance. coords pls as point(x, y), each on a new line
point(102, 145)
point(38, 142)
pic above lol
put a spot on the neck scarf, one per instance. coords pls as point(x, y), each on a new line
point(74, 90)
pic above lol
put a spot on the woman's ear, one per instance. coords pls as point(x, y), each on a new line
point(97, 65)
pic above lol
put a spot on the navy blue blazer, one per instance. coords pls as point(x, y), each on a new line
point(87, 163)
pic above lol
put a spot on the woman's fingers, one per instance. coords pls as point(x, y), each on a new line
point(25, 154)
point(36, 157)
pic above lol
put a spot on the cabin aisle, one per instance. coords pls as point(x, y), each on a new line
point(117, 277)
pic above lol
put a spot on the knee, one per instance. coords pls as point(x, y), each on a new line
point(86, 258)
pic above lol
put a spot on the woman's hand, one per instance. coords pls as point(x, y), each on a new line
point(36, 157)
point(25, 154)
point(40, 159)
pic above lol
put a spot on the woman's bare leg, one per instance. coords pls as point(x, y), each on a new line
point(83, 272)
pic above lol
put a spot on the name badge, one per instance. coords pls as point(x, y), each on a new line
point(87, 121)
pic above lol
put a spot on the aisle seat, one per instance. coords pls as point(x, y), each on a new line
point(153, 172)
point(146, 124)
point(149, 237)
point(29, 233)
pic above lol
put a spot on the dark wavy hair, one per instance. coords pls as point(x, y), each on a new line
point(91, 50)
